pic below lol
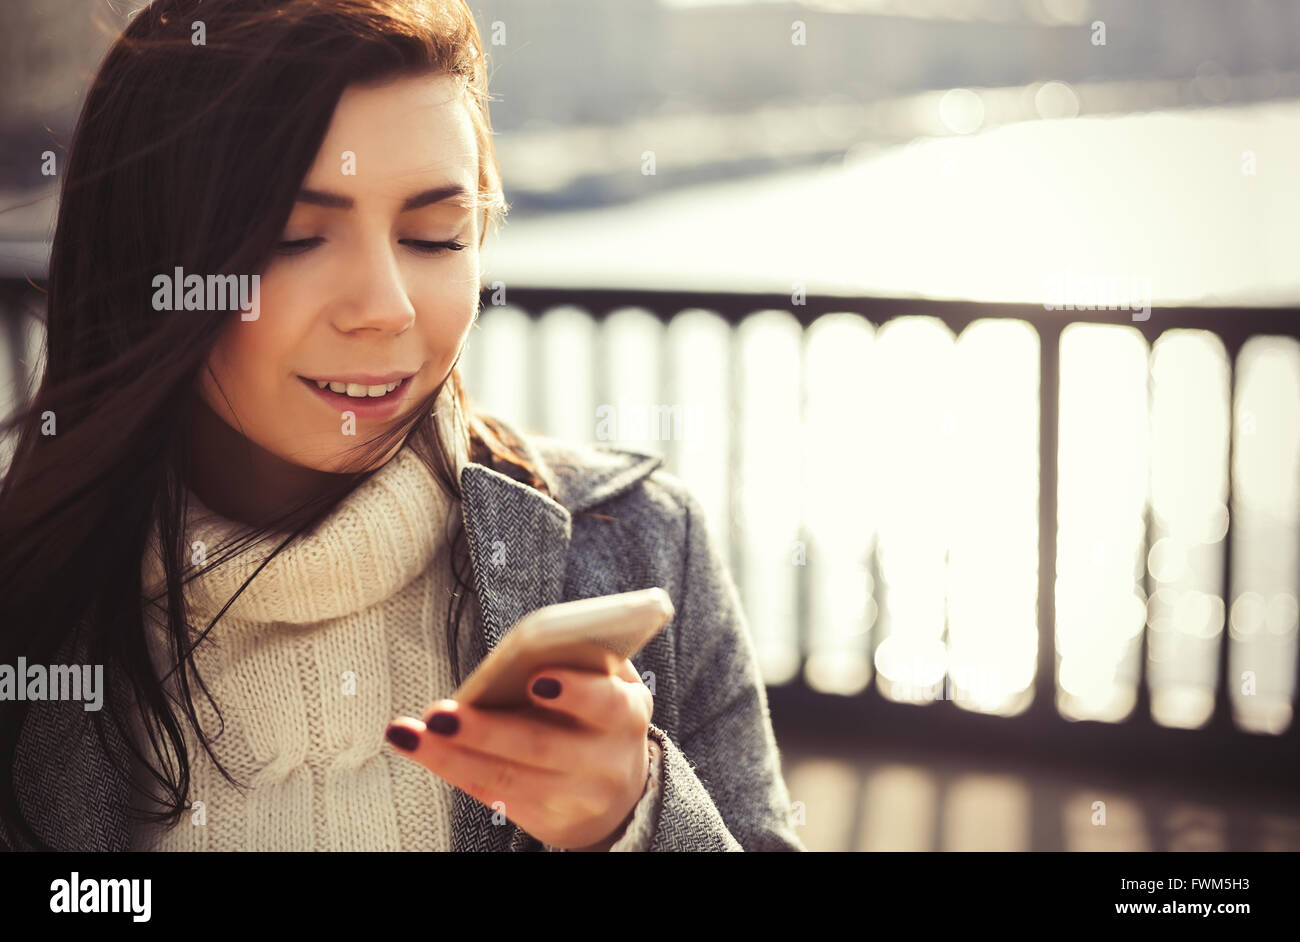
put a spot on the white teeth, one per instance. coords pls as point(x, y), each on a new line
point(358, 391)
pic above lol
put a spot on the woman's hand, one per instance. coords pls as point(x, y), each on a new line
point(569, 770)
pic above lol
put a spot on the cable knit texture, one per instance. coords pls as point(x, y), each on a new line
point(343, 630)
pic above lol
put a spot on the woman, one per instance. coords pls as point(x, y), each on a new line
point(261, 513)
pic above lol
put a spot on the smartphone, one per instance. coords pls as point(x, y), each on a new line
point(586, 634)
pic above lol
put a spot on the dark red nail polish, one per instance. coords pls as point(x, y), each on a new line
point(405, 739)
point(547, 687)
point(444, 724)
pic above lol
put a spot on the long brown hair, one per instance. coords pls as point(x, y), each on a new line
point(189, 156)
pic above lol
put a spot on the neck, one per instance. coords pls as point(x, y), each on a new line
point(241, 481)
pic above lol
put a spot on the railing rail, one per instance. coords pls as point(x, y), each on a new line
point(1218, 751)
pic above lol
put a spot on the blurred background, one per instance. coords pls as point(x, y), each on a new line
point(975, 326)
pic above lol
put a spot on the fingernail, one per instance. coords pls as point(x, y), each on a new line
point(547, 687)
point(405, 739)
point(444, 724)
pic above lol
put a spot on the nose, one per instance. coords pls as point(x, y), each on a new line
point(376, 297)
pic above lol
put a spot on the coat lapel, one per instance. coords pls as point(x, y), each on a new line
point(518, 544)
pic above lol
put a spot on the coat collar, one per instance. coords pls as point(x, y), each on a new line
point(519, 537)
point(518, 545)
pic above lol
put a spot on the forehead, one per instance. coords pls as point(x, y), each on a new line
point(387, 138)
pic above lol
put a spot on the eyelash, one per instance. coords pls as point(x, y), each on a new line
point(424, 247)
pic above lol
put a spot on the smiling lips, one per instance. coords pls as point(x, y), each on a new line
point(362, 386)
point(365, 400)
point(357, 390)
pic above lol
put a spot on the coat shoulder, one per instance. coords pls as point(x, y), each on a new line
point(626, 506)
point(590, 477)
point(632, 519)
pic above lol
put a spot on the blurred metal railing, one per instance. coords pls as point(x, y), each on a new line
point(1217, 750)
point(1134, 746)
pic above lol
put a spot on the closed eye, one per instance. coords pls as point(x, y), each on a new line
point(434, 248)
point(297, 246)
point(424, 247)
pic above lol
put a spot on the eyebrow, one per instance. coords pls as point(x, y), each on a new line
point(438, 194)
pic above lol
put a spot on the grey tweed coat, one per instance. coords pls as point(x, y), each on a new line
point(620, 522)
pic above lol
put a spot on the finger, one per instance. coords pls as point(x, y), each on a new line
point(601, 701)
point(627, 670)
point(487, 778)
point(533, 740)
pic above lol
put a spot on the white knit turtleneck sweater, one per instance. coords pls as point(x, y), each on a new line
point(343, 631)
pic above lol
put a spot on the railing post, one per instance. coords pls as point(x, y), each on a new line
point(1049, 405)
point(1222, 718)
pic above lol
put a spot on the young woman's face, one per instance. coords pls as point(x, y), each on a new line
point(367, 283)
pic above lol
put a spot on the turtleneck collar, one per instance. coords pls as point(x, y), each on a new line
point(378, 540)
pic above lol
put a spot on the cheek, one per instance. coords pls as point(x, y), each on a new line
point(446, 307)
point(250, 358)
point(250, 354)
point(446, 336)
point(230, 384)
point(449, 330)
